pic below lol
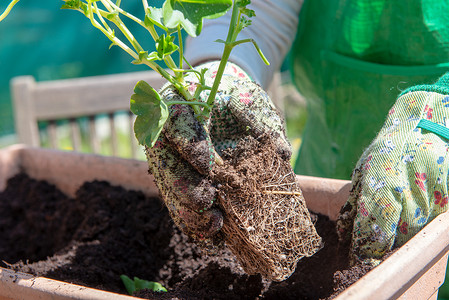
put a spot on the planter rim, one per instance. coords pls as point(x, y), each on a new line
point(38, 161)
point(18, 285)
point(322, 195)
point(406, 265)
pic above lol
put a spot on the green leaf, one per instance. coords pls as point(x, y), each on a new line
point(242, 3)
point(112, 16)
point(242, 8)
point(139, 284)
point(151, 111)
point(129, 284)
point(76, 5)
point(154, 17)
point(244, 22)
point(165, 46)
point(153, 56)
point(249, 12)
point(189, 14)
point(143, 55)
point(71, 4)
point(151, 285)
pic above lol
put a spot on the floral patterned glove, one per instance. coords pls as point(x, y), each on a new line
point(183, 157)
point(400, 182)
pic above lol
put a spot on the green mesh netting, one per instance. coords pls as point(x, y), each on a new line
point(351, 59)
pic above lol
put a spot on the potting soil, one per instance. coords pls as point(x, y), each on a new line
point(107, 231)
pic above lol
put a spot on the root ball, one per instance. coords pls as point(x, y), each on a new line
point(266, 222)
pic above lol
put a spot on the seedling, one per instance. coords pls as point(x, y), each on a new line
point(174, 16)
point(268, 226)
point(139, 284)
point(268, 233)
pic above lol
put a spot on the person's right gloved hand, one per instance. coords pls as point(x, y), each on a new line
point(183, 157)
point(400, 182)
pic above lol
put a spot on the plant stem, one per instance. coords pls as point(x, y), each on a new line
point(226, 53)
point(145, 5)
point(265, 60)
point(113, 8)
point(105, 25)
point(172, 65)
point(110, 34)
point(8, 9)
point(178, 85)
point(224, 59)
point(282, 193)
point(106, 4)
point(234, 20)
point(188, 103)
point(181, 50)
point(168, 60)
point(128, 34)
point(150, 29)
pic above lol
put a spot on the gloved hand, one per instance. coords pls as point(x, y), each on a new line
point(400, 183)
point(183, 157)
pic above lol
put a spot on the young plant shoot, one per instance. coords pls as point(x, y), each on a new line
point(137, 284)
point(173, 17)
point(270, 245)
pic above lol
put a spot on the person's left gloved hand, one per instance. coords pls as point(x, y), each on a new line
point(182, 160)
point(400, 183)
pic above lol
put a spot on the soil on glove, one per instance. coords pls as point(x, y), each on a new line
point(106, 231)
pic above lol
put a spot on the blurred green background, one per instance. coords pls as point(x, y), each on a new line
point(40, 39)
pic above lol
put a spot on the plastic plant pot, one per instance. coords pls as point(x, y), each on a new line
point(414, 271)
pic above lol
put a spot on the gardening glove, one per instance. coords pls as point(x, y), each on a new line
point(184, 156)
point(400, 183)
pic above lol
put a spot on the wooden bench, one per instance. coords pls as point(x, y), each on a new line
point(71, 99)
point(87, 97)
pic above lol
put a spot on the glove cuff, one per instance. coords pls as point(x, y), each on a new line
point(440, 87)
point(230, 70)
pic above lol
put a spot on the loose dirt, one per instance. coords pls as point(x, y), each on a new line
point(106, 231)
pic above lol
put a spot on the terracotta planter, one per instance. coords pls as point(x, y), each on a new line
point(415, 271)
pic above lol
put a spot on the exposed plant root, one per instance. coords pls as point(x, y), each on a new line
point(267, 224)
point(282, 193)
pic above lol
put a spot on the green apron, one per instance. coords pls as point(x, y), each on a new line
point(350, 60)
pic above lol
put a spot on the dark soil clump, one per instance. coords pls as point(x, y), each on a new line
point(106, 231)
